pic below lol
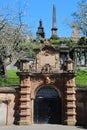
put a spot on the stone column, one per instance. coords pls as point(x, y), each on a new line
point(25, 99)
point(70, 101)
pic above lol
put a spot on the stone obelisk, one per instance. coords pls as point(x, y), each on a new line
point(54, 28)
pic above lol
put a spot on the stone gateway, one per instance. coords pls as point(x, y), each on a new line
point(47, 90)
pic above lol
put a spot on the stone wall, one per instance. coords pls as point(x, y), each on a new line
point(9, 113)
point(8, 105)
point(81, 105)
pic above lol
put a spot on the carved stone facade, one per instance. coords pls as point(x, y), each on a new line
point(46, 72)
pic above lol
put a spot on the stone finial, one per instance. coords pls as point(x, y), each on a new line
point(69, 64)
point(24, 65)
point(40, 23)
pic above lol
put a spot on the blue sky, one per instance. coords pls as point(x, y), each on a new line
point(42, 9)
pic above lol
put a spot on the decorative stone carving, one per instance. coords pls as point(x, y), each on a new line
point(46, 68)
point(48, 80)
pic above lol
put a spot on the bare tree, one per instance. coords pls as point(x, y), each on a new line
point(13, 33)
point(80, 17)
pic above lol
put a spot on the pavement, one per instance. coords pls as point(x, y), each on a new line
point(41, 127)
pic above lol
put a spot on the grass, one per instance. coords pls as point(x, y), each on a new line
point(10, 79)
point(81, 78)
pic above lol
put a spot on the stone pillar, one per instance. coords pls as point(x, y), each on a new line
point(69, 65)
point(25, 99)
point(70, 101)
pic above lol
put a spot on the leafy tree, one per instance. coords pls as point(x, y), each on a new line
point(82, 41)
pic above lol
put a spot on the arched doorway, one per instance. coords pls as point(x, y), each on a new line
point(47, 106)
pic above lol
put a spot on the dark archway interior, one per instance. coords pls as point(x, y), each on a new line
point(47, 106)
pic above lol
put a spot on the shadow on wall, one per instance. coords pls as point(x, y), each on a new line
point(16, 107)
